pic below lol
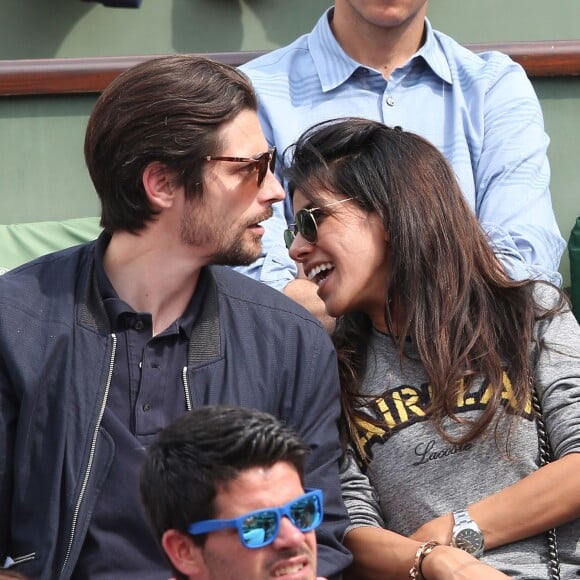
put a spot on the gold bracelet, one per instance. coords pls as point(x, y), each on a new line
point(415, 573)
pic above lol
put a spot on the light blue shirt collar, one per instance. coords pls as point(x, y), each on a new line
point(335, 67)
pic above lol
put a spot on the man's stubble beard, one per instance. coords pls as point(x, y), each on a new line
point(231, 250)
point(237, 254)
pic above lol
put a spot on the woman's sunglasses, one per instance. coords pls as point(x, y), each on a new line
point(260, 528)
point(261, 162)
point(305, 224)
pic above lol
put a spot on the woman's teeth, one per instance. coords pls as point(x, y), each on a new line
point(320, 272)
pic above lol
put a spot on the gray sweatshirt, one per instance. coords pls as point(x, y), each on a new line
point(415, 476)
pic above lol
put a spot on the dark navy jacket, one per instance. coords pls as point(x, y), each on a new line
point(251, 346)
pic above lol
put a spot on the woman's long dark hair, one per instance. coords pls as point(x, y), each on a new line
point(450, 294)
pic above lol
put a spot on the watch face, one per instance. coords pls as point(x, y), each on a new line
point(469, 540)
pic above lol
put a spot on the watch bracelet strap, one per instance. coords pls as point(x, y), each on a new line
point(545, 458)
point(461, 517)
point(416, 573)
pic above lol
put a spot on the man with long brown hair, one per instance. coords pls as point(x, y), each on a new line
point(103, 345)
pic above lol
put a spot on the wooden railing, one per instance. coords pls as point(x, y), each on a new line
point(58, 76)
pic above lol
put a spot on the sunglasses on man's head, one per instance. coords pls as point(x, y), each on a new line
point(260, 528)
point(260, 162)
point(305, 224)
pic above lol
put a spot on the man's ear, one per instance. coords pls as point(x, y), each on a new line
point(184, 554)
point(159, 185)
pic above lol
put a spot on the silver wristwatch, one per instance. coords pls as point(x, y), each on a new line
point(466, 534)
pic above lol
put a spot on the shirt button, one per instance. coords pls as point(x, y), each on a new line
point(147, 407)
point(139, 325)
point(390, 101)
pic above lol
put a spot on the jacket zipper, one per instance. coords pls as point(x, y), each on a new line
point(91, 456)
point(186, 389)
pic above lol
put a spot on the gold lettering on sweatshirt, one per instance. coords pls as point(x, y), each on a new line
point(407, 404)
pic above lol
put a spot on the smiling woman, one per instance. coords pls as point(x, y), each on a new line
point(441, 355)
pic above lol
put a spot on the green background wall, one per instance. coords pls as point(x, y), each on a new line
point(42, 174)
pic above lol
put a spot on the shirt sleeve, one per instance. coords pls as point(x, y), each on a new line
point(359, 496)
point(316, 413)
point(512, 180)
point(557, 378)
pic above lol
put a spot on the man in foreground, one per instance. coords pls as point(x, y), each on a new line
point(223, 489)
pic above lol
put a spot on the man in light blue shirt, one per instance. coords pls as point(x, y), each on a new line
point(381, 59)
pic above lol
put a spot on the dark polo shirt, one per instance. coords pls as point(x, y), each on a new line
point(146, 394)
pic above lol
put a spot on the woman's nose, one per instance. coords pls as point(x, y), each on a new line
point(300, 248)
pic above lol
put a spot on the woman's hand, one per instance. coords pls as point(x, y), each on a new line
point(448, 563)
point(439, 529)
point(383, 555)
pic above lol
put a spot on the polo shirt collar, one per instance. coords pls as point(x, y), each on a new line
point(335, 67)
point(117, 308)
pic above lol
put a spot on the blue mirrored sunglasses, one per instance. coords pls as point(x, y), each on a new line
point(260, 528)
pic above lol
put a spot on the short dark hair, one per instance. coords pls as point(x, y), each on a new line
point(204, 449)
point(166, 109)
